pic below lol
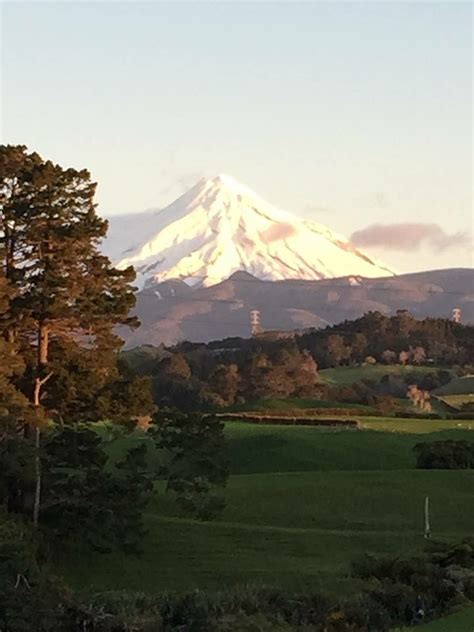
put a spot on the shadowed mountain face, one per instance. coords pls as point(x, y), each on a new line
point(173, 311)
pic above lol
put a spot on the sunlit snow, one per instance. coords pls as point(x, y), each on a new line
point(221, 226)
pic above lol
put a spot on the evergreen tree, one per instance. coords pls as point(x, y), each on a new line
point(13, 405)
point(89, 497)
point(66, 294)
point(197, 463)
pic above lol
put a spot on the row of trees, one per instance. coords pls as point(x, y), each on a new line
point(237, 370)
point(395, 339)
point(196, 377)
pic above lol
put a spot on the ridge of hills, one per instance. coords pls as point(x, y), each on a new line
point(173, 311)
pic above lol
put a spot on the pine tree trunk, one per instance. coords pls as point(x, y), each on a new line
point(43, 348)
point(43, 344)
point(37, 502)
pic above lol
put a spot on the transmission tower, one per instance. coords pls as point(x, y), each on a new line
point(255, 326)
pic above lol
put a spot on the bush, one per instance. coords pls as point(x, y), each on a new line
point(440, 579)
point(461, 416)
point(414, 415)
point(445, 455)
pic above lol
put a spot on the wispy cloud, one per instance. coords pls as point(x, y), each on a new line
point(408, 236)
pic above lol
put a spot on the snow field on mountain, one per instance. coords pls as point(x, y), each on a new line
point(220, 226)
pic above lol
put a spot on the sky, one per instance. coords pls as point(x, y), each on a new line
point(357, 115)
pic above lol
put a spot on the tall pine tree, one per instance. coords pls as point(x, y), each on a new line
point(66, 294)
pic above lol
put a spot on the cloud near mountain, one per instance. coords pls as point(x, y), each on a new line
point(408, 236)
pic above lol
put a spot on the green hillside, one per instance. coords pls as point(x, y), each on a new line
point(302, 503)
point(459, 386)
point(351, 374)
point(462, 621)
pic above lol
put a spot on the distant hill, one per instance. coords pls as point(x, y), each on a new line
point(173, 311)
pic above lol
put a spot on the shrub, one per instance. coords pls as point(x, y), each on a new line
point(445, 455)
point(440, 578)
point(414, 415)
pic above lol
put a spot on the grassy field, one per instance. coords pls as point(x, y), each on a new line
point(456, 401)
point(462, 621)
point(271, 405)
point(459, 386)
point(301, 504)
point(415, 426)
point(351, 374)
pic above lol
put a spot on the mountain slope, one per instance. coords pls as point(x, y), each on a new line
point(174, 311)
point(219, 227)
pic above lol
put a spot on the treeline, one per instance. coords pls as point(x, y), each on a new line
point(198, 376)
point(237, 370)
point(399, 339)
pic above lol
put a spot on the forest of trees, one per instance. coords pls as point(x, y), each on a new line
point(238, 370)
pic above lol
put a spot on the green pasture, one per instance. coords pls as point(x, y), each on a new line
point(456, 401)
point(462, 621)
point(351, 374)
point(302, 503)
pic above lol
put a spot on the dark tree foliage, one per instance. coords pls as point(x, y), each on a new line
point(447, 454)
point(89, 498)
point(14, 406)
point(443, 341)
point(16, 474)
point(60, 302)
point(195, 377)
point(89, 386)
point(436, 580)
point(65, 292)
point(197, 463)
point(222, 373)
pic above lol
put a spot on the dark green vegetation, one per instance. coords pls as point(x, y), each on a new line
point(445, 455)
point(376, 359)
point(462, 621)
point(302, 503)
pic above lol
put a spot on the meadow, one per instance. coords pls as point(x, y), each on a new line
point(350, 374)
point(462, 621)
point(302, 503)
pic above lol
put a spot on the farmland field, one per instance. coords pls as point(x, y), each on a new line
point(302, 503)
point(351, 374)
point(462, 621)
point(456, 401)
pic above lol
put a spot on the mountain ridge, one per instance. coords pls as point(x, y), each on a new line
point(173, 311)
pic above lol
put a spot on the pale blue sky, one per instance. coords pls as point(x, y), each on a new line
point(349, 113)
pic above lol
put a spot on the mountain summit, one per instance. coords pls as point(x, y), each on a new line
point(220, 226)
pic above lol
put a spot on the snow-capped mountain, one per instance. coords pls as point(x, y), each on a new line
point(220, 226)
